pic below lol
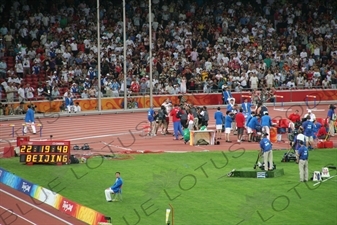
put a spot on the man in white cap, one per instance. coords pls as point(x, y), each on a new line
point(312, 116)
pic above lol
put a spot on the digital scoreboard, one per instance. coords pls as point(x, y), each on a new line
point(45, 152)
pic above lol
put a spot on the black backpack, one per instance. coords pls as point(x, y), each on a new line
point(178, 114)
point(161, 114)
point(74, 160)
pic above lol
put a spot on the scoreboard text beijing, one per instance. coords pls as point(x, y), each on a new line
point(45, 152)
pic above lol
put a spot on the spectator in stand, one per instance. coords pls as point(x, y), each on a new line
point(3, 69)
point(21, 93)
point(249, 39)
point(55, 93)
point(29, 92)
point(10, 90)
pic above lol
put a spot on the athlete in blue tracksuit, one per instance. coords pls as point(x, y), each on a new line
point(29, 120)
point(266, 148)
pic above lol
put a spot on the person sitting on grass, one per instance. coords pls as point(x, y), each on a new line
point(115, 188)
point(186, 132)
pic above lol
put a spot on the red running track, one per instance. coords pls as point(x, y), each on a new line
point(122, 132)
point(17, 208)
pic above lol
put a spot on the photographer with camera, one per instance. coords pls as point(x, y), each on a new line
point(332, 119)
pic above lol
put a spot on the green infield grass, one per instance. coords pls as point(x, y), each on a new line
point(196, 185)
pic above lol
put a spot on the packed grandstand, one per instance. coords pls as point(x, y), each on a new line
point(49, 50)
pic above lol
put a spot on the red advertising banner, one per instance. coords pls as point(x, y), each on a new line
point(69, 207)
point(195, 99)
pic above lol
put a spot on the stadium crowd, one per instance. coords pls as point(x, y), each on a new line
point(49, 49)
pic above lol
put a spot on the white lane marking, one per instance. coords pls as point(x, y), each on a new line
point(34, 206)
point(13, 213)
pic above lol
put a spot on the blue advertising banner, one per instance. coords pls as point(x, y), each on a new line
point(11, 180)
point(3, 174)
point(26, 187)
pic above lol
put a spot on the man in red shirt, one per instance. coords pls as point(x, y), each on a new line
point(295, 117)
point(176, 121)
point(240, 124)
point(321, 133)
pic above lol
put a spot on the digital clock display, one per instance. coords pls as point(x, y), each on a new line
point(44, 149)
point(45, 152)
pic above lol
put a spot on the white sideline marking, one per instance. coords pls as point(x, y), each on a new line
point(13, 213)
point(325, 180)
point(115, 146)
point(100, 136)
point(34, 206)
point(76, 139)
